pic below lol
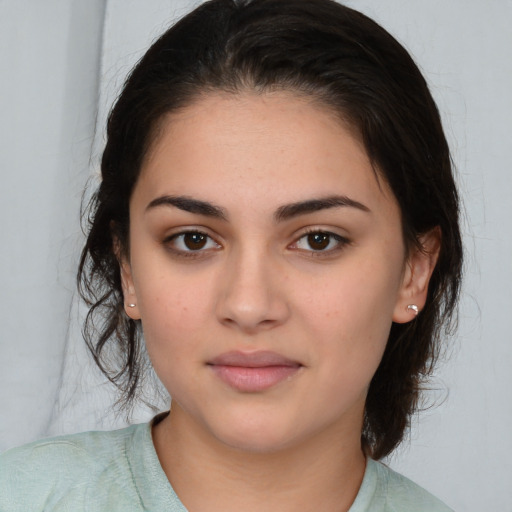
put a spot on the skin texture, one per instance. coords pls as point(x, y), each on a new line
point(255, 282)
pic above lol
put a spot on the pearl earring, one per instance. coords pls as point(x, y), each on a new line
point(413, 307)
point(131, 305)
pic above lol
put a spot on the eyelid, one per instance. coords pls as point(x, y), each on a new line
point(182, 252)
point(342, 242)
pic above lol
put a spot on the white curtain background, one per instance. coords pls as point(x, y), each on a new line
point(62, 63)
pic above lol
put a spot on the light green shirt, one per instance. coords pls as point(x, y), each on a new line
point(120, 471)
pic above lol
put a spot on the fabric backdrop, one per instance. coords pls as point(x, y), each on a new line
point(62, 63)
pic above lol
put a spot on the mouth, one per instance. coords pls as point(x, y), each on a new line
point(253, 372)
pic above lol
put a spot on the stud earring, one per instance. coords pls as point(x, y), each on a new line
point(413, 307)
point(131, 305)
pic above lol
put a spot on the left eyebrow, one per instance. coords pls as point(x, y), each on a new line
point(289, 211)
point(189, 204)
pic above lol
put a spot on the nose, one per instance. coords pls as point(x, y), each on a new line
point(252, 296)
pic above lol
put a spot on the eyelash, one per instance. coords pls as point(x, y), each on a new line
point(183, 253)
point(341, 242)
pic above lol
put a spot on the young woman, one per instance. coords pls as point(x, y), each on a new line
point(277, 226)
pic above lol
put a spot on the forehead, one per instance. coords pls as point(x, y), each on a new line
point(278, 146)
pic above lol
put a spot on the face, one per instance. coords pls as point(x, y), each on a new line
point(267, 264)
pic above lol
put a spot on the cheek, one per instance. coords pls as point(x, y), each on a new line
point(351, 341)
point(355, 301)
point(170, 322)
point(351, 316)
point(174, 310)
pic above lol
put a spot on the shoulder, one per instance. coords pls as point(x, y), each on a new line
point(48, 474)
point(402, 495)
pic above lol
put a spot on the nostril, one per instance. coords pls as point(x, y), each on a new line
point(250, 296)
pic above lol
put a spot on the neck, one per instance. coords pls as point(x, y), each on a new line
point(320, 473)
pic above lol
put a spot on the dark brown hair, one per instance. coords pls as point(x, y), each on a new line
point(348, 63)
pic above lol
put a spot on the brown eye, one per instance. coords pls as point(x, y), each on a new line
point(319, 241)
point(194, 241)
point(190, 242)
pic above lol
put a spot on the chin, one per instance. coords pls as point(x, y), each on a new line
point(256, 436)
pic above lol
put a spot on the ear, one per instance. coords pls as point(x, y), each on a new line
point(131, 307)
point(418, 269)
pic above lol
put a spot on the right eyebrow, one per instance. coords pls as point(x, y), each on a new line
point(188, 204)
point(289, 211)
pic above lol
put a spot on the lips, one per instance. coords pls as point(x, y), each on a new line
point(253, 372)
